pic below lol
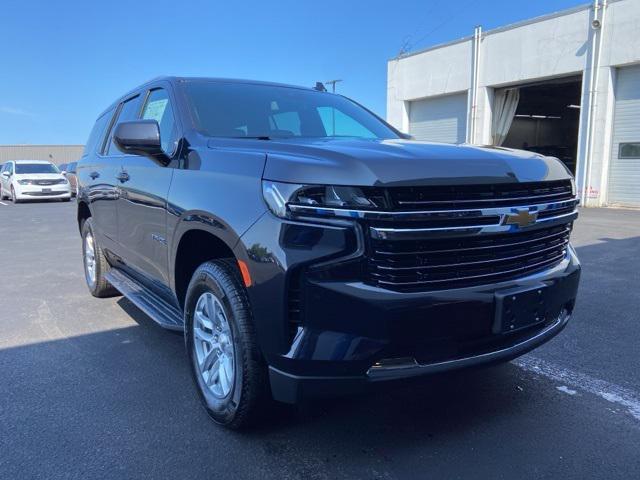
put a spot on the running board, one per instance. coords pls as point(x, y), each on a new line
point(160, 311)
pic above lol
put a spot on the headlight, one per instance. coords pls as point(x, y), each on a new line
point(288, 200)
point(24, 182)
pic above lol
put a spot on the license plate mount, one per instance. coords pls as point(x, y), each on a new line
point(46, 190)
point(521, 308)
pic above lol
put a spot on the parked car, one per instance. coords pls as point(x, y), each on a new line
point(307, 248)
point(69, 171)
point(32, 180)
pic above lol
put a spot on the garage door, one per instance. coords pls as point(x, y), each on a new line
point(440, 119)
point(624, 172)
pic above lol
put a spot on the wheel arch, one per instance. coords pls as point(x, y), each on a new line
point(84, 212)
point(194, 247)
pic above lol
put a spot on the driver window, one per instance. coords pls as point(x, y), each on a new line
point(158, 107)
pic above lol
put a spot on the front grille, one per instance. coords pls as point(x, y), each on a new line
point(47, 182)
point(479, 196)
point(439, 263)
point(43, 194)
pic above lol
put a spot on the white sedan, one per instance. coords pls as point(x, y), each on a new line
point(33, 180)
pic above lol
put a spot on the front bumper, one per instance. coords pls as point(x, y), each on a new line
point(353, 335)
point(37, 192)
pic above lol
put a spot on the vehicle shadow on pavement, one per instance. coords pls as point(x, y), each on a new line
point(123, 399)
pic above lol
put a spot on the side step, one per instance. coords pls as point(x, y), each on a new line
point(165, 314)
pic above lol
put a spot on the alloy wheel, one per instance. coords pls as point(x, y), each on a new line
point(90, 259)
point(213, 344)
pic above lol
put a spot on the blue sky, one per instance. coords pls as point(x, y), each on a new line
point(63, 62)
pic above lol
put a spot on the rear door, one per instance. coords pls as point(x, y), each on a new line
point(101, 177)
point(142, 206)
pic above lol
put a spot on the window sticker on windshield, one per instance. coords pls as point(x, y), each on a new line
point(155, 110)
point(274, 105)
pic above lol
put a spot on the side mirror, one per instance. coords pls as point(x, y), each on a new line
point(6, 174)
point(63, 172)
point(141, 137)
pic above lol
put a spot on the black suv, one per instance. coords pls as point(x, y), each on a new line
point(308, 248)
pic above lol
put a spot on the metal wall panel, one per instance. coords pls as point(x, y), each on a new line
point(54, 153)
point(624, 173)
point(439, 119)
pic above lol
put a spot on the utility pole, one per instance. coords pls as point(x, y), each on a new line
point(333, 84)
point(333, 110)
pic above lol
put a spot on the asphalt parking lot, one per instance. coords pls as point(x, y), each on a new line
point(93, 389)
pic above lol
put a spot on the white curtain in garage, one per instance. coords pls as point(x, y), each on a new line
point(505, 105)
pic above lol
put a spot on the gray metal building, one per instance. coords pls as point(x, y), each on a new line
point(54, 153)
point(566, 84)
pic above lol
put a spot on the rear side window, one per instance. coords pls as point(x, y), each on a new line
point(96, 137)
point(128, 111)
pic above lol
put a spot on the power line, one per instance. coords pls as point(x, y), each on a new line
point(452, 16)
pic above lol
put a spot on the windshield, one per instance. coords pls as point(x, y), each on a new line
point(22, 168)
point(242, 110)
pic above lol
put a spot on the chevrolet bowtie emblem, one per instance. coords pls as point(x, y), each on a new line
point(521, 217)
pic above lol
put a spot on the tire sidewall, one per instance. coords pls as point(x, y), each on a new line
point(221, 410)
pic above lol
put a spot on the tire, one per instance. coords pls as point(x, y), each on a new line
point(13, 195)
point(2, 195)
point(66, 199)
point(98, 285)
point(247, 383)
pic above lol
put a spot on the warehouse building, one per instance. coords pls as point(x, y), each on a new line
point(565, 84)
point(57, 154)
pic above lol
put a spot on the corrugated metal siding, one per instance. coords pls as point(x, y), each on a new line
point(624, 173)
point(439, 119)
point(54, 153)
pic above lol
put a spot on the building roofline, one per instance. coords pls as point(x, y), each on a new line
point(42, 145)
point(510, 26)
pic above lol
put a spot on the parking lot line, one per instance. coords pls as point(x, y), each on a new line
point(624, 397)
point(5, 204)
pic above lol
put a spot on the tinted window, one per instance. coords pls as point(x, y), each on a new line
point(128, 111)
point(95, 143)
point(71, 168)
point(249, 110)
point(158, 107)
point(629, 150)
point(338, 124)
point(22, 168)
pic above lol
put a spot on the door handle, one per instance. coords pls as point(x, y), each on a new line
point(94, 175)
point(123, 177)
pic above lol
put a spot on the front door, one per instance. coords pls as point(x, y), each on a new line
point(142, 206)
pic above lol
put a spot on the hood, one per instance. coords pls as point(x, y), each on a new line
point(402, 162)
point(39, 176)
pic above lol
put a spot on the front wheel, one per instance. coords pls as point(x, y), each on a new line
point(14, 198)
point(225, 361)
point(95, 263)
